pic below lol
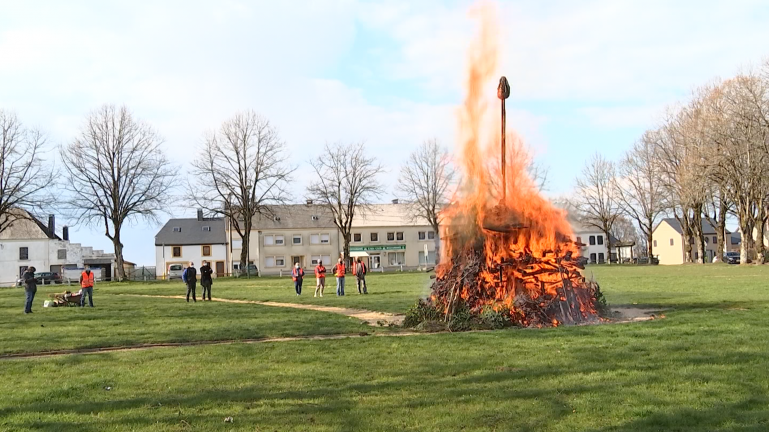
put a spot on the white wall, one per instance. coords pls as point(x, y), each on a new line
point(164, 257)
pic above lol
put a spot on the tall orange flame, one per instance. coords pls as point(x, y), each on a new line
point(524, 241)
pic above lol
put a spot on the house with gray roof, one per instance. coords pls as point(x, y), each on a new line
point(668, 242)
point(181, 241)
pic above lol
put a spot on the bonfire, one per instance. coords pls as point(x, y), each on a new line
point(505, 247)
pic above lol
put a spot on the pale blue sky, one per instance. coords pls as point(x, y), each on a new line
point(586, 76)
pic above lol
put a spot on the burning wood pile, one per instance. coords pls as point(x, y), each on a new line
point(505, 248)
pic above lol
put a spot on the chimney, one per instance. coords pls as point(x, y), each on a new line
point(52, 225)
point(309, 202)
point(200, 214)
point(395, 201)
point(65, 233)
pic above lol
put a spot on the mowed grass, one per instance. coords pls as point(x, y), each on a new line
point(704, 367)
point(387, 292)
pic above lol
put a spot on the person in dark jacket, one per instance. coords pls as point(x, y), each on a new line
point(360, 270)
point(190, 277)
point(206, 280)
point(30, 288)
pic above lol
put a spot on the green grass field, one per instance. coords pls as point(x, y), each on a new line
point(704, 367)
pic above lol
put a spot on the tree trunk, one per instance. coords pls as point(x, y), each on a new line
point(686, 234)
point(608, 246)
point(246, 247)
point(120, 269)
point(747, 234)
point(760, 246)
point(437, 245)
point(721, 229)
point(649, 244)
point(699, 236)
point(346, 251)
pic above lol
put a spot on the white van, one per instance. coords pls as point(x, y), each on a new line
point(175, 271)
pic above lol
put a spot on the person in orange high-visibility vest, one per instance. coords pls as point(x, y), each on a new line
point(320, 278)
point(297, 274)
point(339, 271)
point(86, 286)
point(359, 270)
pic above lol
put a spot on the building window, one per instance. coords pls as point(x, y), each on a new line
point(297, 260)
point(430, 235)
point(269, 240)
point(671, 242)
point(600, 240)
point(206, 250)
point(592, 240)
point(600, 258)
point(396, 258)
point(325, 239)
point(279, 240)
point(237, 244)
point(399, 236)
point(274, 261)
point(269, 261)
point(23, 253)
point(357, 237)
point(391, 236)
point(61, 254)
point(430, 258)
point(579, 240)
point(177, 229)
point(422, 235)
point(374, 237)
point(207, 228)
point(655, 243)
point(176, 251)
point(316, 258)
point(592, 258)
point(314, 238)
point(280, 261)
point(296, 239)
point(715, 239)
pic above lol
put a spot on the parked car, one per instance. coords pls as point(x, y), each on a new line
point(175, 271)
point(43, 278)
point(732, 258)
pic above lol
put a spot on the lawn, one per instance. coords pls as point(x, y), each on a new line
point(703, 367)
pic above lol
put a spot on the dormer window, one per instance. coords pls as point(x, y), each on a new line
point(277, 218)
point(207, 228)
point(315, 218)
point(177, 229)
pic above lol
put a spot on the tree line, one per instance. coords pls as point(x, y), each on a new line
point(708, 159)
point(115, 172)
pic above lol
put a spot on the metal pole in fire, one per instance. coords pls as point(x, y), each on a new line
point(503, 92)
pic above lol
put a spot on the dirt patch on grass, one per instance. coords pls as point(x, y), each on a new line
point(634, 314)
point(372, 318)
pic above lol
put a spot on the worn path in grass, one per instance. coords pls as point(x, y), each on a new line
point(371, 317)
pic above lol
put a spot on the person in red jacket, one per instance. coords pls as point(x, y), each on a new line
point(297, 274)
point(339, 271)
point(320, 278)
point(359, 270)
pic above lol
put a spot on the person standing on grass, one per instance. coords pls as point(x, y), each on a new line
point(86, 286)
point(30, 288)
point(339, 271)
point(320, 278)
point(297, 274)
point(190, 277)
point(359, 270)
point(206, 280)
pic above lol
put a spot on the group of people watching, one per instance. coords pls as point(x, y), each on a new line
point(190, 277)
point(30, 287)
point(359, 269)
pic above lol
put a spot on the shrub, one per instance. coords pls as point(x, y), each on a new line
point(420, 312)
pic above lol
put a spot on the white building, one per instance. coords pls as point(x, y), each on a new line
point(29, 242)
point(182, 241)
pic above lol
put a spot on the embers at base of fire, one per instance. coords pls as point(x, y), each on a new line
point(531, 290)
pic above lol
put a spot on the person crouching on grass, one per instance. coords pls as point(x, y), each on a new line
point(30, 288)
point(320, 278)
point(297, 274)
point(190, 277)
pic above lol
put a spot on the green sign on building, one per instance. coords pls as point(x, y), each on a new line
point(377, 248)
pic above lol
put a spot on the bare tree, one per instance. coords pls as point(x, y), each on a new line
point(241, 170)
point(24, 178)
point(346, 181)
point(744, 155)
point(624, 231)
point(424, 183)
point(117, 173)
point(639, 187)
point(596, 200)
